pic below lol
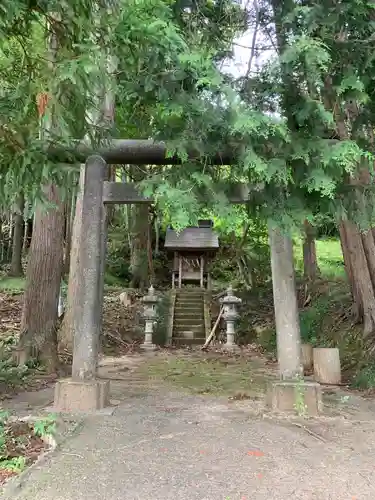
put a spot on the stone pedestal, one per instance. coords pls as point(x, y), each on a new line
point(230, 345)
point(149, 315)
point(230, 315)
point(72, 396)
point(148, 345)
point(297, 396)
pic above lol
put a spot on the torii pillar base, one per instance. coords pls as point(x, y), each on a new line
point(300, 397)
point(81, 396)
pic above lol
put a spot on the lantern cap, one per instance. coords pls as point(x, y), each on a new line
point(230, 298)
point(151, 297)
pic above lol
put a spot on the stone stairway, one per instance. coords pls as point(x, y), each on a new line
point(188, 319)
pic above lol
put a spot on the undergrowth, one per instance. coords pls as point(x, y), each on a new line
point(20, 440)
point(11, 375)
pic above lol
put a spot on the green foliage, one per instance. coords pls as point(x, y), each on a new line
point(243, 259)
point(45, 426)
point(11, 375)
point(365, 377)
point(19, 444)
point(312, 322)
point(165, 57)
point(118, 257)
point(15, 464)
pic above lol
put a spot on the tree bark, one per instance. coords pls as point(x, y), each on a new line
point(67, 330)
point(69, 221)
point(140, 221)
point(369, 248)
point(285, 305)
point(310, 263)
point(139, 262)
point(363, 290)
point(349, 268)
point(16, 263)
point(43, 277)
point(28, 235)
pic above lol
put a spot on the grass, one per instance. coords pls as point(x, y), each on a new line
point(232, 377)
point(329, 254)
point(12, 285)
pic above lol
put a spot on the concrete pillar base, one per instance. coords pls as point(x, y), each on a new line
point(148, 347)
point(304, 398)
point(72, 395)
point(231, 348)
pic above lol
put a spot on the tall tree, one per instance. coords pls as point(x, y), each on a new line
point(45, 260)
point(16, 268)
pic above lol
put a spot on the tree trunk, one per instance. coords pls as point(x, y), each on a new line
point(43, 277)
point(349, 269)
point(69, 220)
point(285, 305)
point(369, 248)
point(67, 330)
point(16, 263)
point(111, 209)
point(28, 235)
point(310, 263)
point(363, 289)
point(139, 264)
point(157, 235)
point(140, 221)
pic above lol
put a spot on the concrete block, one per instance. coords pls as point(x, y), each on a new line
point(298, 396)
point(90, 395)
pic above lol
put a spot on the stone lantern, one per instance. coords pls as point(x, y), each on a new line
point(230, 315)
point(149, 315)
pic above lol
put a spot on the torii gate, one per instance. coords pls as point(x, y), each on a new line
point(84, 391)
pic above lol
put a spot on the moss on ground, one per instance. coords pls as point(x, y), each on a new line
point(201, 374)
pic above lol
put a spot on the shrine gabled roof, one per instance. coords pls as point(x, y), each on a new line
point(192, 238)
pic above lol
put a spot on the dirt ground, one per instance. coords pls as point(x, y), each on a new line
point(209, 402)
point(175, 402)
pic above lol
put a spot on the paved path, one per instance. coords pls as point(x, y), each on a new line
point(160, 445)
point(173, 447)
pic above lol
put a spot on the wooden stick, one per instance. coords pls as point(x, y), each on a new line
point(209, 338)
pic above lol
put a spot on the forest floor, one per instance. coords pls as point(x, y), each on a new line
point(191, 425)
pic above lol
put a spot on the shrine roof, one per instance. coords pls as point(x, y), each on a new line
point(192, 238)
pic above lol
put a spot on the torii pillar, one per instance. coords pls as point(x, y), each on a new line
point(84, 391)
point(291, 392)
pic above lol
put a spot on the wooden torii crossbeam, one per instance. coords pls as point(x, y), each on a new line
point(137, 152)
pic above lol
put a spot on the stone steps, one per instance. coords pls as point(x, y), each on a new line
point(197, 328)
point(188, 321)
point(188, 302)
point(180, 341)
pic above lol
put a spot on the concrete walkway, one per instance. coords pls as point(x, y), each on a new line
point(159, 445)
